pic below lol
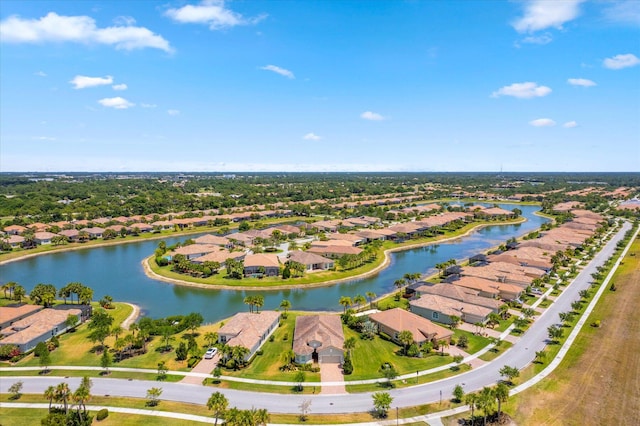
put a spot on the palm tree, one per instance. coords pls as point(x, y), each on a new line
point(485, 402)
point(50, 394)
point(211, 337)
point(406, 338)
point(261, 416)
point(349, 344)
point(250, 300)
point(285, 305)
point(399, 283)
point(287, 357)
point(493, 319)
point(116, 331)
point(471, 399)
point(62, 394)
point(359, 300)
point(18, 292)
point(258, 301)
point(9, 287)
point(371, 295)
point(455, 322)
point(501, 393)
point(541, 355)
point(346, 302)
point(217, 403)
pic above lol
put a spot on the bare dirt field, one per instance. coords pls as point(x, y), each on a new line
point(599, 381)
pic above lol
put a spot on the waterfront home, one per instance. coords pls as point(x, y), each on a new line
point(488, 288)
point(15, 229)
point(261, 264)
point(219, 256)
point(215, 240)
point(441, 309)
point(318, 338)
point(311, 261)
point(335, 251)
point(12, 313)
point(13, 240)
point(94, 232)
point(393, 321)
point(249, 330)
point(70, 234)
point(462, 294)
point(43, 238)
point(192, 251)
point(38, 327)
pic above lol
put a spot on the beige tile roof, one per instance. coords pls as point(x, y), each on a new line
point(26, 329)
point(398, 319)
point(449, 306)
point(194, 249)
point(247, 328)
point(10, 313)
point(326, 329)
point(462, 294)
point(219, 256)
point(212, 239)
point(261, 259)
point(307, 258)
point(334, 249)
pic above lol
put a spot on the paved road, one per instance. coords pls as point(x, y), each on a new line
point(519, 355)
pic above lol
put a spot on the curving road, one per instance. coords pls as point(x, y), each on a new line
point(519, 355)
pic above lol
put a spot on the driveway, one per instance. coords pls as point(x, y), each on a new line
point(332, 372)
point(205, 366)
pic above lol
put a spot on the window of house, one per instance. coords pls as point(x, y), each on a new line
point(434, 315)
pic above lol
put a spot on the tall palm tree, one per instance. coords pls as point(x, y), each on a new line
point(258, 302)
point(249, 300)
point(486, 399)
point(285, 305)
point(211, 338)
point(471, 399)
point(349, 344)
point(217, 403)
point(371, 295)
point(62, 394)
point(9, 287)
point(359, 300)
point(501, 393)
point(406, 338)
point(345, 302)
point(50, 394)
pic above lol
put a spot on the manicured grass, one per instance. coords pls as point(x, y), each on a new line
point(307, 388)
point(475, 342)
point(267, 365)
point(495, 352)
point(369, 355)
point(90, 373)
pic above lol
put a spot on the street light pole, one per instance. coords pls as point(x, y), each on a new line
point(397, 416)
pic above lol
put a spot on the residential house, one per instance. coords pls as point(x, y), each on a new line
point(214, 240)
point(462, 294)
point(393, 321)
point(13, 240)
point(12, 313)
point(192, 251)
point(43, 238)
point(38, 327)
point(335, 251)
point(312, 261)
point(249, 330)
point(219, 256)
point(318, 338)
point(488, 288)
point(94, 232)
point(441, 309)
point(262, 264)
point(15, 229)
point(71, 234)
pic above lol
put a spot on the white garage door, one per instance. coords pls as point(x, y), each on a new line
point(336, 359)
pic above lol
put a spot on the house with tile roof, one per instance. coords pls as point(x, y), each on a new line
point(311, 261)
point(393, 321)
point(441, 309)
point(318, 338)
point(249, 330)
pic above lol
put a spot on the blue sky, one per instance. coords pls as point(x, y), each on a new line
point(320, 85)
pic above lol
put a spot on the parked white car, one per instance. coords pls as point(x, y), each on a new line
point(211, 352)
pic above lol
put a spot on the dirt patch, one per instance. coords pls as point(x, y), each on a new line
point(602, 385)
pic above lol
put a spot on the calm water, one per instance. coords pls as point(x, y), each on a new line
point(117, 271)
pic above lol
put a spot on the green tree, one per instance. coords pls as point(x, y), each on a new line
point(458, 393)
point(371, 295)
point(15, 390)
point(285, 305)
point(106, 361)
point(43, 294)
point(153, 396)
point(485, 402)
point(405, 337)
point(100, 327)
point(509, 372)
point(193, 321)
point(345, 302)
point(71, 322)
point(211, 338)
point(349, 344)
point(44, 359)
point(218, 403)
point(162, 370)
point(50, 395)
point(471, 399)
point(359, 300)
point(299, 379)
point(501, 393)
point(455, 322)
point(381, 403)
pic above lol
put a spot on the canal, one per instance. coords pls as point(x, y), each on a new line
point(117, 271)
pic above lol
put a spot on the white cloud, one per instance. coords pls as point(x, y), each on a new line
point(621, 61)
point(44, 138)
point(143, 105)
point(40, 74)
point(117, 103)
point(540, 39)
point(570, 124)
point(311, 137)
point(78, 29)
point(125, 21)
point(212, 13)
point(278, 70)
point(541, 14)
point(525, 90)
point(581, 82)
point(82, 81)
point(542, 122)
point(623, 12)
point(373, 116)
point(120, 86)
point(173, 112)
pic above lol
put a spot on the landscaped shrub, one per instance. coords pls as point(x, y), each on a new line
point(102, 414)
point(192, 361)
point(285, 337)
point(259, 352)
point(413, 351)
point(347, 366)
point(463, 342)
point(272, 338)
